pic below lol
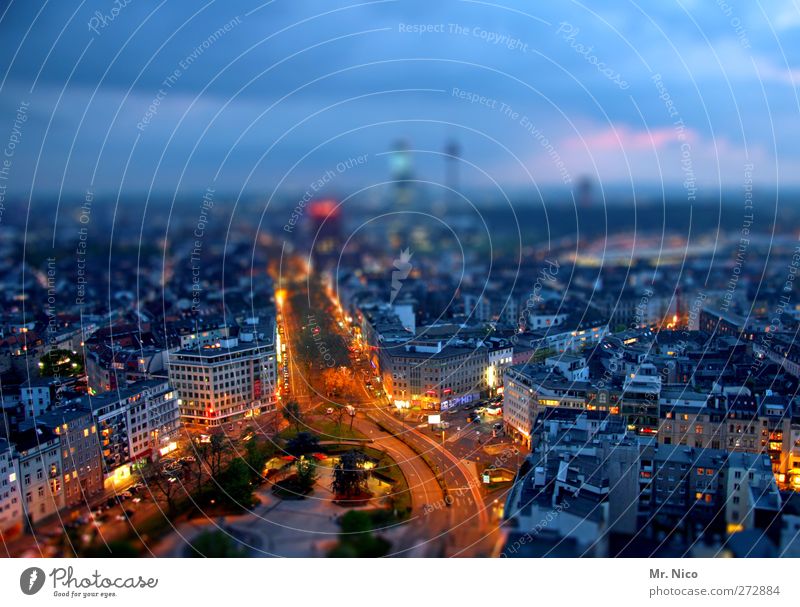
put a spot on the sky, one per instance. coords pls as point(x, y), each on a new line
point(257, 97)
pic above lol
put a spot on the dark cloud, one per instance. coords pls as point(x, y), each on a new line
point(264, 94)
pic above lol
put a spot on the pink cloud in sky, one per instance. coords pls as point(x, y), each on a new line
point(625, 138)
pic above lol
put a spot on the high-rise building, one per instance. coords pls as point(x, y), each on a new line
point(325, 231)
point(402, 174)
point(452, 156)
point(226, 381)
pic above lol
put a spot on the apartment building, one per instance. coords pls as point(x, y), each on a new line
point(432, 375)
point(225, 381)
point(81, 460)
point(134, 425)
point(11, 518)
point(40, 475)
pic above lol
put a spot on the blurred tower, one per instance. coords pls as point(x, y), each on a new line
point(584, 192)
point(452, 154)
point(325, 231)
point(402, 174)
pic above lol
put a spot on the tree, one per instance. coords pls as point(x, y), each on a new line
point(163, 483)
point(356, 539)
point(303, 443)
point(306, 471)
point(234, 484)
point(201, 455)
point(292, 413)
point(218, 447)
point(215, 544)
point(257, 453)
point(61, 363)
point(351, 474)
point(333, 381)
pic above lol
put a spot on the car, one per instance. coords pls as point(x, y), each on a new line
point(494, 410)
point(329, 410)
point(480, 410)
point(498, 426)
point(136, 500)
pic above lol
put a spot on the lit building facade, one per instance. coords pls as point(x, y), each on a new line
point(226, 381)
point(11, 520)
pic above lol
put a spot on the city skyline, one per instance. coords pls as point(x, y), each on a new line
point(394, 278)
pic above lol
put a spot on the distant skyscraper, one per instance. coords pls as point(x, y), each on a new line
point(325, 223)
point(402, 173)
point(452, 151)
point(584, 192)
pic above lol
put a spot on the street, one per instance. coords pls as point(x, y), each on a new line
point(457, 520)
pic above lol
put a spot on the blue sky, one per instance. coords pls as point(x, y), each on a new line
point(292, 88)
